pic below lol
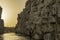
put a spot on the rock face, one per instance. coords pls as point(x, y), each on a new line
point(40, 20)
point(1, 22)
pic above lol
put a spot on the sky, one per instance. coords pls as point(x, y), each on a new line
point(11, 9)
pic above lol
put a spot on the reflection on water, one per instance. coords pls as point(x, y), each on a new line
point(1, 37)
point(12, 36)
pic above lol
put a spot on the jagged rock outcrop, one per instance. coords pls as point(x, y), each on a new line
point(1, 23)
point(40, 20)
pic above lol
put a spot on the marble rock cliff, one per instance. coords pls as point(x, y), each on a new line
point(40, 20)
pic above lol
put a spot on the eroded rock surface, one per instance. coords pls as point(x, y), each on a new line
point(40, 20)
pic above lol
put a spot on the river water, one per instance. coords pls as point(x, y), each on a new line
point(12, 36)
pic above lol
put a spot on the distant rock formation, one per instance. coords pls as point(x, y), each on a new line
point(9, 29)
point(1, 22)
point(40, 20)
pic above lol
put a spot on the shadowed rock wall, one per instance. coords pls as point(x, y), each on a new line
point(40, 20)
point(1, 22)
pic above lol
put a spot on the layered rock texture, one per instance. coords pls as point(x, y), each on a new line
point(1, 22)
point(40, 20)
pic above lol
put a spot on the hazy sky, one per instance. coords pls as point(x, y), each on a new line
point(10, 10)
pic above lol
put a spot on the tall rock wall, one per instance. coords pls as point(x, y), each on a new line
point(40, 20)
point(1, 22)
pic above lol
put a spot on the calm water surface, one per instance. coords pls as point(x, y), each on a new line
point(12, 36)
